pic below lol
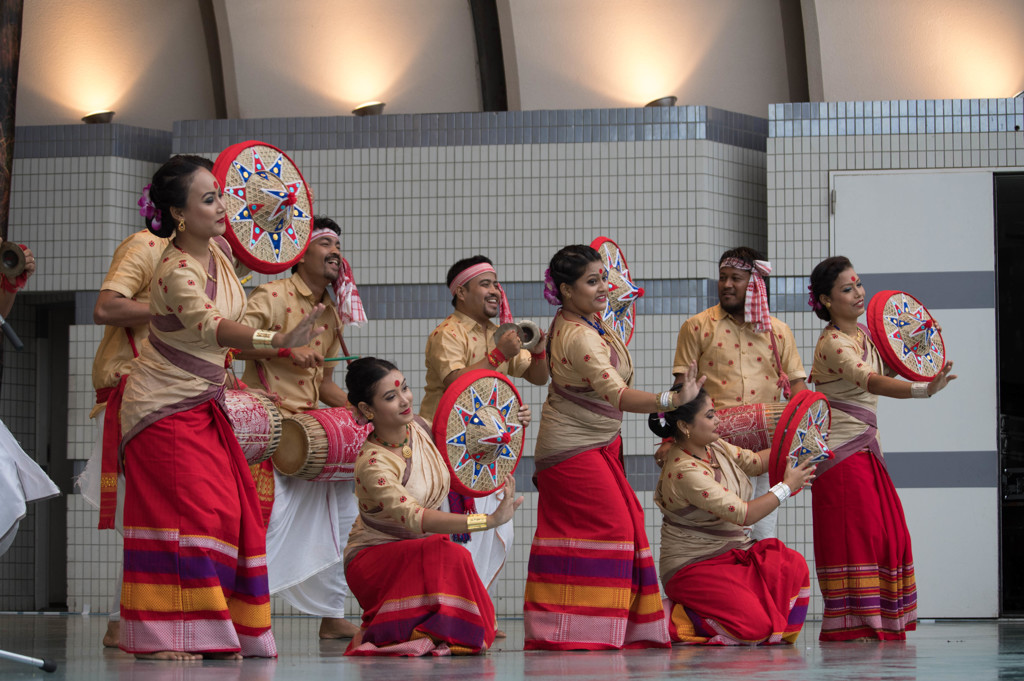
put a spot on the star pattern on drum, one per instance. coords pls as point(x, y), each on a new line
point(912, 332)
point(809, 442)
point(623, 293)
point(280, 202)
point(491, 448)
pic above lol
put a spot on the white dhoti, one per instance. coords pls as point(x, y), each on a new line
point(88, 484)
point(765, 527)
point(489, 548)
point(21, 481)
point(309, 526)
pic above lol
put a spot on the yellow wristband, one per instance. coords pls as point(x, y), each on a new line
point(261, 339)
point(475, 522)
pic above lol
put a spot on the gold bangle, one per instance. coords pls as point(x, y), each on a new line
point(262, 339)
point(475, 522)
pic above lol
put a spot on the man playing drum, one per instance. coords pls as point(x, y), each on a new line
point(123, 307)
point(744, 363)
point(309, 521)
point(464, 341)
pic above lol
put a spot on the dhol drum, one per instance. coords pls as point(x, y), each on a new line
point(478, 433)
point(256, 422)
point(321, 445)
point(906, 335)
point(801, 434)
point(750, 426)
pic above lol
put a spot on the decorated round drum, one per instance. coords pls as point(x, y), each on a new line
point(256, 422)
point(269, 205)
point(749, 426)
point(801, 434)
point(620, 313)
point(477, 430)
point(321, 445)
point(906, 335)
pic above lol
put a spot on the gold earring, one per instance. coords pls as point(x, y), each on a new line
point(181, 224)
point(369, 417)
point(686, 434)
point(828, 306)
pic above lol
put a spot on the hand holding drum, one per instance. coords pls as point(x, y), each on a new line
point(527, 335)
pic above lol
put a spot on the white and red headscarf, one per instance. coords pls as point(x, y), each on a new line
point(346, 295)
point(468, 274)
point(755, 309)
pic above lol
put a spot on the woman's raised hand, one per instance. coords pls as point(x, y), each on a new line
point(798, 476)
point(941, 379)
point(305, 331)
point(508, 504)
point(691, 385)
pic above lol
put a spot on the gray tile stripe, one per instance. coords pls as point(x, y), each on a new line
point(943, 469)
point(113, 139)
point(433, 301)
point(894, 117)
point(479, 128)
point(937, 290)
point(908, 470)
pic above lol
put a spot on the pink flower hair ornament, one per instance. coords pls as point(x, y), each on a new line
point(550, 293)
point(148, 209)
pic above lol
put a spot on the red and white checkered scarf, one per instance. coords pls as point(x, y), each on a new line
point(346, 295)
point(755, 309)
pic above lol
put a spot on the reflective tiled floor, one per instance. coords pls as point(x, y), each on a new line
point(973, 650)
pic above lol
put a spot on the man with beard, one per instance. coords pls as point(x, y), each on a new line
point(309, 521)
point(748, 356)
point(465, 341)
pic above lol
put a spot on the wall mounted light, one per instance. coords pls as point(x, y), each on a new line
point(662, 101)
point(369, 109)
point(98, 117)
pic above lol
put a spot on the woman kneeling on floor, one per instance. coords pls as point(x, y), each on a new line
point(419, 591)
point(723, 587)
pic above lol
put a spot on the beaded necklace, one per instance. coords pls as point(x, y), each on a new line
point(403, 445)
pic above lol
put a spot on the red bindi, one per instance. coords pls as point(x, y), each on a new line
point(398, 383)
point(853, 278)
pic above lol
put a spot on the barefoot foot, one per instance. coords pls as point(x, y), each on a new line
point(113, 635)
point(337, 627)
point(168, 655)
point(498, 633)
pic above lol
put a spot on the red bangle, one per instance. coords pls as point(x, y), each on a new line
point(495, 357)
point(539, 355)
point(284, 352)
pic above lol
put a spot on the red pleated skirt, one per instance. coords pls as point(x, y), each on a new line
point(862, 553)
point(420, 597)
point(753, 597)
point(195, 564)
point(591, 582)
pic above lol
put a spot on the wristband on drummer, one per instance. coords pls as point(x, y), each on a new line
point(495, 357)
point(919, 390)
point(537, 356)
point(263, 339)
point(284, 352)
point(665, 400)
point(476, 522)
point(782, 491)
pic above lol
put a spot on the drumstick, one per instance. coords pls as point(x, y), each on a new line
point(338, 359)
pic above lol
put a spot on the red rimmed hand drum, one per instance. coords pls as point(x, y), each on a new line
point(800, 435)
point(906, 335)
point(620, 313)
point(269, 206)
point(320, 445)
point(750, 426)
point(477, 430)
point(256, 422)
